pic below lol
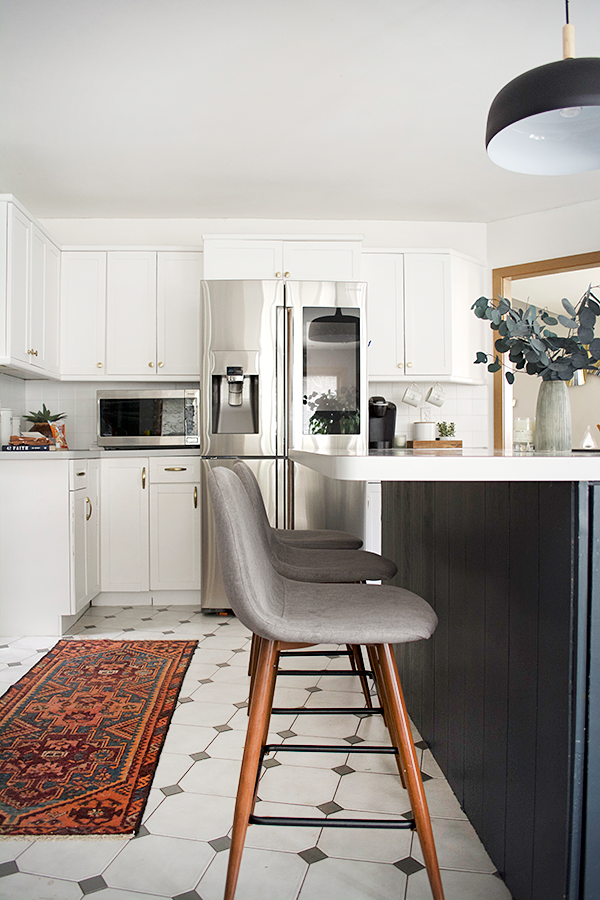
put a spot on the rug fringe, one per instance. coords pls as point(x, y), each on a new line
point(67, 837)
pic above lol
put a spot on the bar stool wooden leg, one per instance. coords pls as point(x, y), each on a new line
point(401, 735)
point(357, 663)
point(376, 668)
point(260, 711)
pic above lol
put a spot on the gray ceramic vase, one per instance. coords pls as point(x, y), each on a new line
point(553, 418)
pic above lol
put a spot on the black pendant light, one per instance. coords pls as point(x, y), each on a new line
point(547, 121)
point(336, 329)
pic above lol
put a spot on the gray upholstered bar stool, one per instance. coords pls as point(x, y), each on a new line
point(305, 539)
point(283, 612)
point(323, 566)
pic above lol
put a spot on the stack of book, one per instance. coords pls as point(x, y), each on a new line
point(29, 442)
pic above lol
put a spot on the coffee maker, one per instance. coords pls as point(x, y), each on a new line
point(382, 423)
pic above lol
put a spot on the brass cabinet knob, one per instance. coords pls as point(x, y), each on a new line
point(98, 365)
point(160, 365)
point(409, 365)
point(151, 365)
point(400, 365)
point(287, 274)
point(277, 274)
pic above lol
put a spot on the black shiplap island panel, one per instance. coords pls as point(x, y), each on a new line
point(498, 691)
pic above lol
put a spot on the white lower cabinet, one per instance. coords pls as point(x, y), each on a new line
point(151, 526)
point(85, 533)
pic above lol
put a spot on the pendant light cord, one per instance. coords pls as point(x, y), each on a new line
point(568, 36)
point(567, 10)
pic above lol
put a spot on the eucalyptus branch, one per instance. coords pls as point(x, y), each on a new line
point(527, 337)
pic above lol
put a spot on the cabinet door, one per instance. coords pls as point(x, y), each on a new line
point(178, 314)
point(321, 260)
point(383, 273)
point(19, 287)
point(244, 259)
point(131, 313)
point(92, 530)
point(174, 537)
point(124, 524)
point(427, 314)
point(43, 302)
point(83, 313)
point(78, 554)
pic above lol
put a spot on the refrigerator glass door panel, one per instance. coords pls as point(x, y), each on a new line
point(270, 475)
point(239, 376)
point(327, 366)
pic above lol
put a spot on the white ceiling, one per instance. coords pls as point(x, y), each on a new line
point(310, 109)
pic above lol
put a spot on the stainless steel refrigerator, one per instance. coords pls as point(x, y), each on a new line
point(283, 367)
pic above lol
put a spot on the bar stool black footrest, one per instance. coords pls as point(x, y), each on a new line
point(326, 711)
point(315, 653)
point(332, 823)
point(351, 672)
point(325, 748)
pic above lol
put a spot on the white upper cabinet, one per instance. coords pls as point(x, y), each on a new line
point(29, 340)
point(323, 260)
point(178, 314)
point(133, 314)
point(83, 313)
point(419, 316)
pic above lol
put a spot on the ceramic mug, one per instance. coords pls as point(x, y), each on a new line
point(436, 395)
point(412, 395)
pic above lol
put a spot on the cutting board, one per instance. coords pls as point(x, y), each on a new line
point(434, 445)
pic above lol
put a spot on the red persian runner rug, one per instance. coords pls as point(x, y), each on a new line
point(81, 733)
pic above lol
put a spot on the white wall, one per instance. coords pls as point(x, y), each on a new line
point(545, 235)
point(465, 237)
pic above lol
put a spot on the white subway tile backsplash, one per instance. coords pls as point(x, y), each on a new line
point(468, 406)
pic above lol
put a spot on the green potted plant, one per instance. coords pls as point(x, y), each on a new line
point(446, 429)
point(42, 419)
point(533, 347)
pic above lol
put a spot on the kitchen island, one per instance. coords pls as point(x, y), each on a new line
point(507, 692)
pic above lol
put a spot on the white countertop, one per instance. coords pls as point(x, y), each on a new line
point(452, 465)
point(97, 453)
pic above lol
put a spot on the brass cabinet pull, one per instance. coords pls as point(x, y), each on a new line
point(33, 352)
point(409, 365)
point(175, 469)
point(195, 497)
point(160, 365)
point(99, 365)
point(286, 274)
point(80, 474)
point(89, 513)
point(400, 365)
point(151, 365)
point(277, 274)
point(143, 477)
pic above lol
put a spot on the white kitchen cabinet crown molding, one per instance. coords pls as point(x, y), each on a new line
point(283, 237)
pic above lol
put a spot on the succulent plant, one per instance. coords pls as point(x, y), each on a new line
point(43, 415)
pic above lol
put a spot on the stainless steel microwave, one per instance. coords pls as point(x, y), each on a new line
point(153, 418)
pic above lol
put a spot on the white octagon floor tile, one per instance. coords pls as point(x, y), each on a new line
point(337, 879)
point(290, 838)
point(264, 875)
point(192, 816)
point(71, 859)
point(459, 886)
point(34, 887)
point(294, 784)
point(373, 793)
point(157, 864)
point(458, 847)
point(213, 776)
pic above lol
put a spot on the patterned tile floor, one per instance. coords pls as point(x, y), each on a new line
point(181, 852)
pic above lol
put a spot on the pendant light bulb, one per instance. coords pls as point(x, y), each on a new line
point(547, 121)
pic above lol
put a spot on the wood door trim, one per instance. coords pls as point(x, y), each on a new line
point(501, 281)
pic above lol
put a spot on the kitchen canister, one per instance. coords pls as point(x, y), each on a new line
point(5, 425)
point(425, 431)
